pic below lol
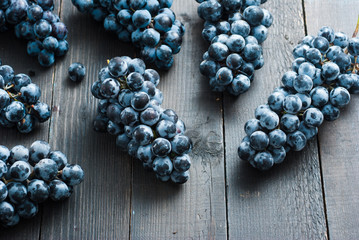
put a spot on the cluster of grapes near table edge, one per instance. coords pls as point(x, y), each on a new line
point(235, 30)
point(19, 101)
point(150, 25)
point(323, 75)
point(130, 109)
point(35, 22)
point(31, 176)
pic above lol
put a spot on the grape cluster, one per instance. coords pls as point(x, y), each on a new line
point(34, 21)
point(324, 74)
point(149, 24)
point(19, 101)
point(235, 29)
point(31, 176)
point(130, 109)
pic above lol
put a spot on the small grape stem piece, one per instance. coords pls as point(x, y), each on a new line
point(356, 29)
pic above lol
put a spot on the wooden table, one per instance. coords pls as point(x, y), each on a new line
point(314, 194)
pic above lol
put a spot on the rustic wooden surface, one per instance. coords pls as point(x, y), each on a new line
point(312, 195)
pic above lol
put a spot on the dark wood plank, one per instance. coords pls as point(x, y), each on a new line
point(195, 210)
point(285, 202)
point(99, 207)
point(13, 53)
point(338, 141)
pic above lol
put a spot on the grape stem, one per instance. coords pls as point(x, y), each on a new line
point(356, 29)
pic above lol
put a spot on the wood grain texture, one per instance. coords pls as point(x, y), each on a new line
point(99, 207)
point(195, 210)
point(338, 141)
point(285, 202)
point(120, 200)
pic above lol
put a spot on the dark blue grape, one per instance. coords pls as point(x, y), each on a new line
point(62, 49)
point(236, 43)
point(42, 29)
point(30, 93)
point(275, 101)
point(259, 140)
point(149, 116)
point(179, 177)
point(260, 32)
point(309, 131)
point(38, 191)
point(34, 12)
point(253, 15)
point(321, 44)
point(162, 166)
point(4, 153)
point(110, 88)
point(242, 28)
point(72, 174)
point(353, 46)
point(77, 72)
point(330, 71)
point(289, 123)
point(3, 188)
point(330, 112)
point(327, 33)
point(21, 80)
point(41, 111)
point(59, 158)
point(341, 40)
point(224, 76)
point(38, 151)
point(17, 192)
point(140, 101)
point(251, 126)
point(303, 83)
point(263, 161)
point(129, 117)
point(7, 211)
point(145, 154)
point(15, 111)
point(218, 51)
point(245, 151)
point(46, 169)
point(16, 11)
point(166, 129)
point(313, 117)
point(27, 124)
point(306, 100)
point(182, 163)
point(18, 153)
point(278, 154)
point(296, 140)
point(27, 209)
point(313, 55)
point(143, 135)
point(4, 99)
point(234, 61)
point(20, 171)
point(46, 58)
point(50, 43)
point(161, 147)
point(59, 30)
point(251, 52)
point(277, 138)
point(59, 190)
point(135, 80)
point(292, 104)
point(339, 97)
point(210, 10)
